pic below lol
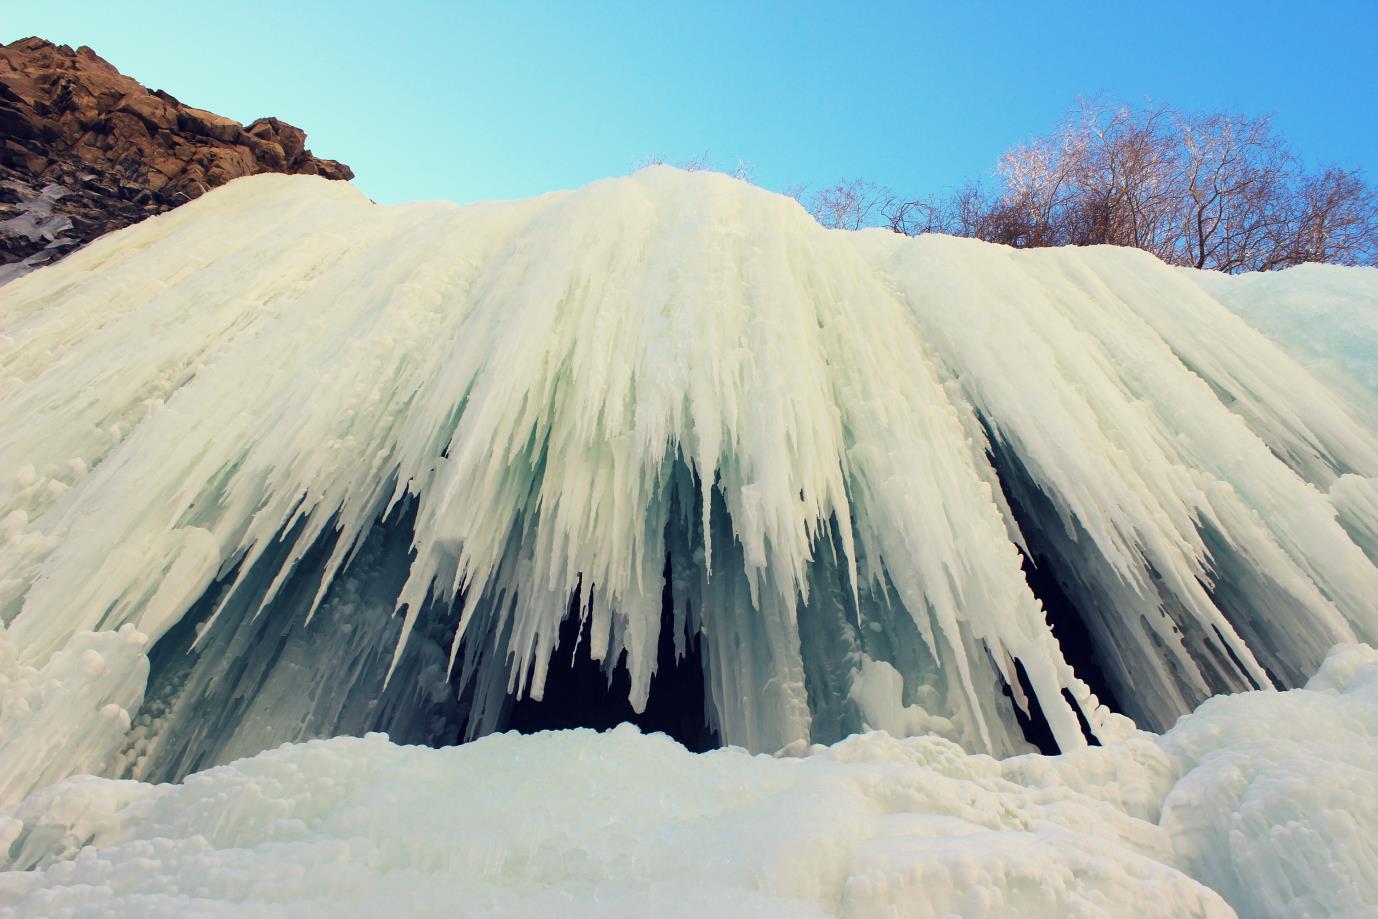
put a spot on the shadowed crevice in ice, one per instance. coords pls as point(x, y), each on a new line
point(248, 679)
point(1085, 602)
point(581, 693)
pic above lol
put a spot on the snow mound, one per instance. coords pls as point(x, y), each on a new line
point(1260, 803)
point(352, 468)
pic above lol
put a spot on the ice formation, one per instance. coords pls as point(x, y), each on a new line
point(1320, 314)
point(1324, 316)
point(1259, 804)
point(353, 468)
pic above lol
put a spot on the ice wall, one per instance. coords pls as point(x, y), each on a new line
point(838, 449)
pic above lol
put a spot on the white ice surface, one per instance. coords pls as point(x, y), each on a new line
point(1320, 314)
point(71, 714)
point(572, 387)
point(1260, 804)
point(1327, 318)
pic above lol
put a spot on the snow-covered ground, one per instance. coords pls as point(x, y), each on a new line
point(283, 464)
point(1259, 804)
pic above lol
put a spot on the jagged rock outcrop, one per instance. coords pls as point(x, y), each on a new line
point(85, 150)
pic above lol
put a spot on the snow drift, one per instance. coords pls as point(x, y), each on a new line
point(1259, 804)
point(306, 466)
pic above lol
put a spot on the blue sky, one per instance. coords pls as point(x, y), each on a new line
point(471, 101)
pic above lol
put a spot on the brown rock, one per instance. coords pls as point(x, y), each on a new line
point(156, 114)
point(80, 140)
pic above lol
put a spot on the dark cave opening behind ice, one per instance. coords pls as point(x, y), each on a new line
point(233, 677)
point(230, 680)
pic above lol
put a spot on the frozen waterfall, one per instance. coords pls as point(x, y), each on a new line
point(309, 466)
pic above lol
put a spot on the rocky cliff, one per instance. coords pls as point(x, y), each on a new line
point(85, 150)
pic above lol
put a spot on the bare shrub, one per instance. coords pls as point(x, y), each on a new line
point(1215, 191)
point(848, 205)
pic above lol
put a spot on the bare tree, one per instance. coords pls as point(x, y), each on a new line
point(848, 205)
point(701, 162)
point(1336, 221)
point(1213, 191)
point(1238, 177)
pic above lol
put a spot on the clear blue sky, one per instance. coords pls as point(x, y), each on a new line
point(469, 101)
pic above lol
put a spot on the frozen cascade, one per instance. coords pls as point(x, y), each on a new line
point(1323, 315)
point(820, 460)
